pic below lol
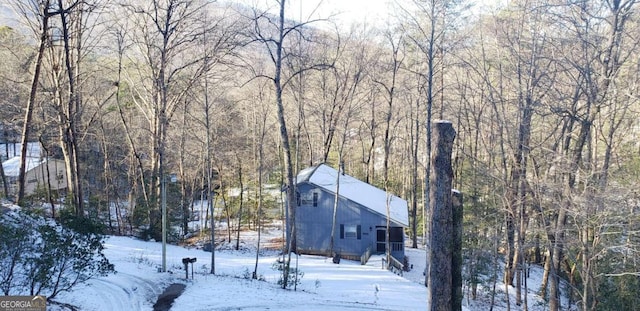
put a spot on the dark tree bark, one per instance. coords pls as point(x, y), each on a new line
point(5, 185)
point(440, 253)
point(456, 260)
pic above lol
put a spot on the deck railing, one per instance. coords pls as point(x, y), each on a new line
point(397, 246)
point(365, 256)
point(394, 265)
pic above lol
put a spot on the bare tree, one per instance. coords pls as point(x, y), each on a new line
point(136, 170)
point(347, 76)
point(598, 56)
point(273, 33)
point(13, 50)
point(43, 11)
point(165, 34)
point(430, 27)
point(390, 66)
point(262, 115)
point(532, 74)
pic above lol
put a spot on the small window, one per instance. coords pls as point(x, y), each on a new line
point(32, 181)
point(350, 232)
point(298, 200)
point(308, 199)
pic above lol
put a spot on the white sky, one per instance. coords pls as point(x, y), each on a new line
point(344, 12)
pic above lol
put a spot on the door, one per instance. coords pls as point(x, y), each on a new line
point(381, 240)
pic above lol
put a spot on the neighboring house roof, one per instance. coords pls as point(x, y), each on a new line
point(12, 166)
point(357, 191)
point(15, 150)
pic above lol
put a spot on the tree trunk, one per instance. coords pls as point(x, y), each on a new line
point(5, 186)
point(210, 203)
point(440, 253)
point(28, 113)
point(456, 260)
point(336, 200)
point(240, 203)
point(414, 146)
point(284, 135)
point(260, 146)
point(70, 115)
point(184, 206)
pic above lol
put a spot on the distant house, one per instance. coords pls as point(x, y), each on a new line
point(10, 150)
point(39, 173)
point(361, 216)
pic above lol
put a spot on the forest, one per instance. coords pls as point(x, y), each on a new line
point(543, 96)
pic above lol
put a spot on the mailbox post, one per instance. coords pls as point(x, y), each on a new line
point(192, 260)
point(186, 261)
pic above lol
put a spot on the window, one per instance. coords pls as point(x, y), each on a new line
point(396, 234)
point(351, 232)
point(396, 246)
point(308, 199)
point(298, 201)
point(32, 181)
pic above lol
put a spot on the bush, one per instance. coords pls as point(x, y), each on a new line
point(294, 276)
point(15, 238)
point(41, 257)
point(81, 225)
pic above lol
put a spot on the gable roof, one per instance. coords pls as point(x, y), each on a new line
point(357, 191)
point(12, 166)
point(10, 150)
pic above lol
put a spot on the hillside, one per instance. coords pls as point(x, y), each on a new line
point(322, 286)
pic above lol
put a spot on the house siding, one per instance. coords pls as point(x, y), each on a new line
point(37, 177)
point(313, 224)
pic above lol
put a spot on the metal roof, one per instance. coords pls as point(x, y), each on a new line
point(357, 191)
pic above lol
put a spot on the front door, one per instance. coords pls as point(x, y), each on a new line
point(381, 240)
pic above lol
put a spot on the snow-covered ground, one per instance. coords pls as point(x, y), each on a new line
point(323, 286)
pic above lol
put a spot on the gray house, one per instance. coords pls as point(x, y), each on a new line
point(361, 215)
point(40, 173)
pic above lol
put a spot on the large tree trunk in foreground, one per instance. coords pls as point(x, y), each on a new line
point(456, 256)
point(440, 253)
